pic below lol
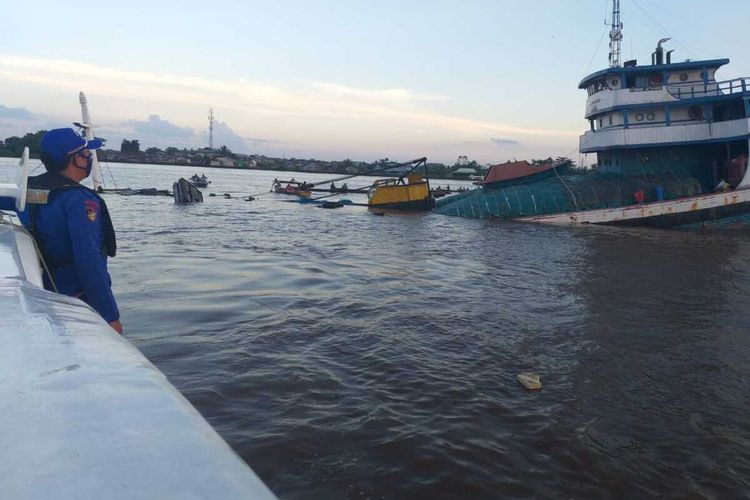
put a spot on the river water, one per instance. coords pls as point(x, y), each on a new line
point(347, 355)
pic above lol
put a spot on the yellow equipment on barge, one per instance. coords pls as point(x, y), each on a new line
point(410, 191)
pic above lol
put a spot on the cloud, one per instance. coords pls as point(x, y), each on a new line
point(312, 101)
point(325, 119)
point(504, 142)
point(156, 126)
point(15, 113)
point(403, 95)
point(225, 136)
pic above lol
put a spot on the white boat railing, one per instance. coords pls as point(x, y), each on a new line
point(713, 89)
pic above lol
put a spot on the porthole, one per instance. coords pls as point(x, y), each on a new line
point(683, 77)
point(639, 117)
point(615, 82)
point(650, 117)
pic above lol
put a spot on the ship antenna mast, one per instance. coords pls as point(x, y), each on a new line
point(210, 128)
point(615, 36)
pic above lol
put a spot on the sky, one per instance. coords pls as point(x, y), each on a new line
point(490, 79)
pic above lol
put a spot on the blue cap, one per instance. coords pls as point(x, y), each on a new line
point(60, 143)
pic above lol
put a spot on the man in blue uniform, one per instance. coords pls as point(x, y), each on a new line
point(71, 223)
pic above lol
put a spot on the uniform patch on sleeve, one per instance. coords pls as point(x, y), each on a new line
point(92, 208)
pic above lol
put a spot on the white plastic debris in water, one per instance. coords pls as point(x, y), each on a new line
point(530, 381)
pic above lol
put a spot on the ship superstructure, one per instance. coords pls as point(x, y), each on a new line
point(669, 117)
point(671, 142)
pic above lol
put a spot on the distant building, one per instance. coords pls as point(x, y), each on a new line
point(463, 173)
point(311, 167)
point(222, 161)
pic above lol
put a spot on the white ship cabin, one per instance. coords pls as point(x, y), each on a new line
point(664, 104)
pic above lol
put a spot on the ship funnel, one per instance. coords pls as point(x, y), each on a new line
point(669, 56)
point(658, 56)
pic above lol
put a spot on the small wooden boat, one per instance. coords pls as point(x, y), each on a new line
point(292, 187)
point(199, 181)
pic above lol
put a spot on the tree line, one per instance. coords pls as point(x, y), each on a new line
point(13, 146)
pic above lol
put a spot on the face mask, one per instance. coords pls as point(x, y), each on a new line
point(89, 163)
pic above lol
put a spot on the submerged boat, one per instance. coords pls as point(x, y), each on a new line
point(671, 142)
point(410, 191)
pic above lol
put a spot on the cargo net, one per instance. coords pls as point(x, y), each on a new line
point(568, 193)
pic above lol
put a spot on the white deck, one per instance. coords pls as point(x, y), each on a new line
point(84, 415)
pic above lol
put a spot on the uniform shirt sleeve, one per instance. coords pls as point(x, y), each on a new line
point(83, 215)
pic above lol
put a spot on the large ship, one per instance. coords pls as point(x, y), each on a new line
point(671, 142)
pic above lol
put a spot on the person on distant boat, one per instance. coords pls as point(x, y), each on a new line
point(344, 188)
point(71, 223)
point(333, 187)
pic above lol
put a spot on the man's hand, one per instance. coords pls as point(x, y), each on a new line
point(116, 326)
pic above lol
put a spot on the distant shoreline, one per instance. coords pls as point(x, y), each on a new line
point(268, 168)
point(439, 178)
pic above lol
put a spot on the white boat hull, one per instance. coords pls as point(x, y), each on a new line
point(84, 415)
point(694, 210)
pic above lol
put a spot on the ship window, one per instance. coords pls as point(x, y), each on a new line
point(610, 119)
point(650, 117)
point(695, 113)
point(639, 117)
point(597, 86)
point(683, 77)
point(600, 123)
point(615, 82)
point(655, 79)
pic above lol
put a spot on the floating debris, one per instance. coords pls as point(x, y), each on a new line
point(531, 381)
point(331, 204)
point(140, 192)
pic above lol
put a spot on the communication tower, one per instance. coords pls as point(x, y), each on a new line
point(615, 36)
point(211, 128)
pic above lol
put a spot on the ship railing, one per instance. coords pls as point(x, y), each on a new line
point(713, 89)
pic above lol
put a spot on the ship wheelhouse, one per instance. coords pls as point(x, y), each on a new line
point(668, 117)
